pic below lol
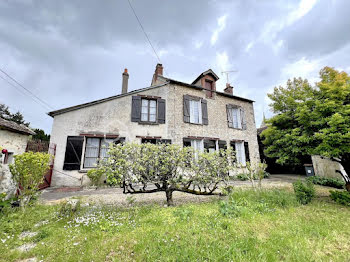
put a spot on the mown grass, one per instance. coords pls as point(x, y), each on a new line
point(271, 227)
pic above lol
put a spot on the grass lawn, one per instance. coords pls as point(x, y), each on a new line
point(319, 231)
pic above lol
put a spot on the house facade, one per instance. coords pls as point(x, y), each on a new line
point(169, 111)
point(13, 141)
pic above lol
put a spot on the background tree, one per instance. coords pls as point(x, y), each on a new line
point(41, 135)
point(16, 117)
point(149, 168)
point(311, 120)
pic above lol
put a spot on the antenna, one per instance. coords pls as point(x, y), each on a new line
point(227, 73)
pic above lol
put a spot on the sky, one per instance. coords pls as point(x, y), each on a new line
point(72, 52)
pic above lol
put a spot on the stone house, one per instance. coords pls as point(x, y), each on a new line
point(169, 111)
point(13, 141)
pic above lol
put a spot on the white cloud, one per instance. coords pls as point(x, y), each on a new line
point(220, 28)
point(198, 44)
point(304, 7)
point(302, 68)
point(249, 46)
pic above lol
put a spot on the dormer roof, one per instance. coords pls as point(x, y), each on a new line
point(208, 72)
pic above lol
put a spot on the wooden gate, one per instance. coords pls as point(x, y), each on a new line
point(48, 175)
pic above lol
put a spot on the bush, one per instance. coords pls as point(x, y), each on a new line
point(95, 176)
point(325, 181)
point(28, 172)
point(304, 192)
point(256, 201)
point(341, 197)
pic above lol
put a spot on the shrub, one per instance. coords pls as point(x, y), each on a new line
point(325, 181)
point(242, 177)
point(341, 197)
point(95, 176)
point(28, 172)
point(304, 192)
point(256, 201)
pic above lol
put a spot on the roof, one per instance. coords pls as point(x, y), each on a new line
point(71, 108)
point(208, 72)
point(14, 127)
point(167, 81)
point(201, 88)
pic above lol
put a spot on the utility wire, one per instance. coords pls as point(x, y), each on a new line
point(19, 84)
point(149, 41)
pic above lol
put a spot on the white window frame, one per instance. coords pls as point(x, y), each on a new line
point(195, 117)
point(236, 118)
point(240, 153)
point(102, 150)
point(148, 110)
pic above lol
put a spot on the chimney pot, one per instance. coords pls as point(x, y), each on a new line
point(125, 81)
point(228, 89)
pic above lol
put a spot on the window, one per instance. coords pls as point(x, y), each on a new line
point(240, 152)
point(195, 112)
point(148, 110)
point(74, 149)
point(236, 117)
point(155, 141)
point(97, 148)
point(201, 145)
point(209, 88)
point(210, 145)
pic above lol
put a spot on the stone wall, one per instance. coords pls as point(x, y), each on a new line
point(115, 117)
point(15, 144)
point(325, 167)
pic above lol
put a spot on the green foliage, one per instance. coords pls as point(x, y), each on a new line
point(41, 135)
point(28, 172)
point(68, 209)
point(16, 117)
point(95, 175)
point(310, 120)
point(304, 192)
point(249, 202)
point(154, 233)
point(183, 213)
point(325, 181)
point(168, 167)
point(341, 197)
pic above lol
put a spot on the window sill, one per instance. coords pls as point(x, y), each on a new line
point(238, 128)
point(148, 123)
point(196, 124)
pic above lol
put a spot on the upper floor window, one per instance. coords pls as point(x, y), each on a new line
point(195, 110)
point(236, 117)
point(148, 110)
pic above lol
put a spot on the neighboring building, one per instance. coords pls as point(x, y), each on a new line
point(168, 111)
point(13, 140)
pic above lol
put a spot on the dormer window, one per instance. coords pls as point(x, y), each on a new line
point(209, 88)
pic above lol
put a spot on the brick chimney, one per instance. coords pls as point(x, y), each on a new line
point(228, 89)
point(157, 72)
point(125, 81)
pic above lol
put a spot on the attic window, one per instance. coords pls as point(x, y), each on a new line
point(209, 88)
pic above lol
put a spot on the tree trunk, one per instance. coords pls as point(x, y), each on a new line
point(169, 197)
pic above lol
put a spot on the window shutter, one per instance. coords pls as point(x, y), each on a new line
point(246, 150)
point(74, 149)
point(161, 111)
point(204, 112)
point(136, 109)
point(243, 119)
point(186, 109)
point(229, 115)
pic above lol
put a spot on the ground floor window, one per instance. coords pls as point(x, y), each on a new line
point(204, 145)
point(240, 149)
point(155, 141)
point(97, 148)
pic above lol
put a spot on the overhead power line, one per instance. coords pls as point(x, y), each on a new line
point(149, 41)
point(43, 103)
